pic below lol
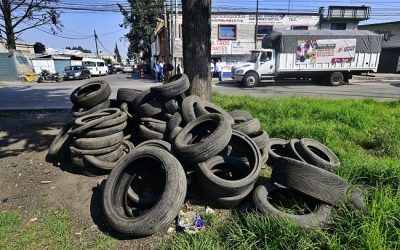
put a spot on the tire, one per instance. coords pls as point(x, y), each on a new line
point(239, 142)
point(308, 179)
point(264, 155)
point(188, 104)
point(205, 145)
point(89, 121)
point(294, 146)
point(316, 153)
point(140, 99)
point(228, 201)
point(151, 108)
point(166, 208)
point(127, 94)
point(250, 80)
point(112, 122)
point(204, 107)
point(77, 112)
point(157, 143)
point(154, 124)
point(100, 151)
point(105, 161)
point(147, 134)
point(178, 84)
point(99, 142)
point(336, 79)
point(91, 94)
point(60, 144)
point(172, 124)
point(104, 131)
point(260, 139)
point(171, 106)
point(240, 115)
point(276, 148)
point(313, 219)
point(249, 127)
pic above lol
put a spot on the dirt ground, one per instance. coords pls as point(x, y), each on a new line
point(28, 182)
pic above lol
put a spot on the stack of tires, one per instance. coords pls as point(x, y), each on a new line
point(302, 169)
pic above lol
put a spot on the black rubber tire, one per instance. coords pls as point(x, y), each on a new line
point(316, 153)
point(77, 112)
point(264, 155)
point(140, 99)
point(89, 121)
point(104, 161)
point(276, 148)
point(98, 142)
point(172, 124)
point(260, 138)
point(336, 79)
point(314, 219)
point(177, 85)
point(147, 134)
point(204, 107)
point(240, 115)
point(157, 143)
point(104, 131)
point(60, 144)
point(294, 145)
point(208, 145)
point(91, 94)
point(227, 201)
point(163, 212)
point(154, 124)
point(248, 127)
point(101, 151)
point(127, 94)
point(187, 108)
point(171, 105)
point(151, 108)
point(250, 80)
point(308, 179)
point(112, 122)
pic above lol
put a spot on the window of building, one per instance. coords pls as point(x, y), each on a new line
point(299, 27)
point(338, 26)
point(263, 30)
point(227, 32)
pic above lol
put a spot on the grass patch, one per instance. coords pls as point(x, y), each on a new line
point(365, 134)
point(51, 230)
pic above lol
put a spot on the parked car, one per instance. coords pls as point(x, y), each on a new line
point(76, 72)
point(117, 66)
point(127, 68)
point(96, 66)
point(111, 69)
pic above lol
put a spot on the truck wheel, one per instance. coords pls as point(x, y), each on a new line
point(336, 79)
point(250, 80)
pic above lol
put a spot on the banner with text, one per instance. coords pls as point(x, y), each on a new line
point(325, 51)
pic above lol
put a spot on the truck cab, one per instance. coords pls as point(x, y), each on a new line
point(260, 66)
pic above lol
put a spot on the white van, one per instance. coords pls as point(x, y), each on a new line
point(96, 66)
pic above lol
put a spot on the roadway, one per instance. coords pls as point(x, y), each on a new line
point(51, 95)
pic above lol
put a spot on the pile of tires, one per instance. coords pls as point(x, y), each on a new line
point(151, 141)
point(302, 169)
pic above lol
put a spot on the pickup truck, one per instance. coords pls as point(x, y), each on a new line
point(324, 56)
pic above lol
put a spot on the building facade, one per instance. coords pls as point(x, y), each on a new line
point(389, 61)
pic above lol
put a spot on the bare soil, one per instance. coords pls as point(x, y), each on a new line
point(28, 182)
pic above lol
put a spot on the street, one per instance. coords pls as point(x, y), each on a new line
point(53, 95)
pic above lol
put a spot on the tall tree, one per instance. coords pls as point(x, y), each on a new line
point(141, 18)
point(197, 46)
point(79, 48)
point(116, 52)
point(18, 16)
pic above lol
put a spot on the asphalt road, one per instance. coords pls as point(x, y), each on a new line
point(52, 95)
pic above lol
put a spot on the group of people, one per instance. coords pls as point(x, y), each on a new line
point(164, 71)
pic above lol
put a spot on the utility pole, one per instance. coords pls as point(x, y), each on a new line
point(166, 44)
point(288, 7)
point(256, 31)
point(95, 40)
point(175, 30)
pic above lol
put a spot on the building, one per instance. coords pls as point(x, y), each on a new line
point(14, 64)
point(389, 61)
point(234, 34)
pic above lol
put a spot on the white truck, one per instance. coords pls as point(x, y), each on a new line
point(324, 56)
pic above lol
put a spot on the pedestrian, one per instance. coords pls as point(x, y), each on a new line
point(162, 78)
point(179, 69)
point(170, 68)
point(218, 69)
point(158, 71)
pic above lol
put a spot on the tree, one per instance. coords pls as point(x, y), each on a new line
point(107, 61)
point(116, 52)
point(197, 46)
point(141, 18)
point(18, 16)
point(79, 48)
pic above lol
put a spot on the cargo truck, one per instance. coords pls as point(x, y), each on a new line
point(324, 56)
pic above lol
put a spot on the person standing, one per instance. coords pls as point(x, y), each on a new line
point(158, 71)
point(162, 78)
point(179, 69)
point(218, 69)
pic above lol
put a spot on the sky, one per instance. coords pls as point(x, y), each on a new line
point(79, 25)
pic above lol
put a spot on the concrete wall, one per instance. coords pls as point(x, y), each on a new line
point(8, 69)
point(349, 26)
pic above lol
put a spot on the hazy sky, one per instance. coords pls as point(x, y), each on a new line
point(80, 25)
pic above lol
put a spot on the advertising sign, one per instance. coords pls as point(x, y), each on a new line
point(325, 51)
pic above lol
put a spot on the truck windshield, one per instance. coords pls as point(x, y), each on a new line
point(254, 56)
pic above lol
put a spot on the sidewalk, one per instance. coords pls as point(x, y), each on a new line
point(377, 76)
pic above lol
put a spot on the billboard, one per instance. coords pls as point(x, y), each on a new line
point(325, 51)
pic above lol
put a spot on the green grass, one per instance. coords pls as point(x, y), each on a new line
point(51, 230)
point(365, 134)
